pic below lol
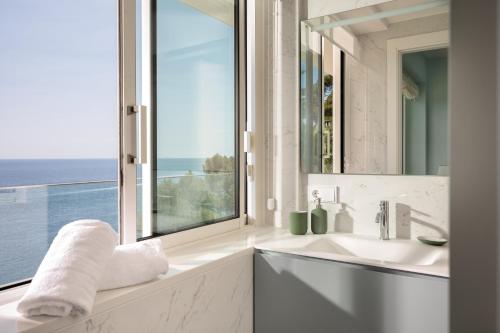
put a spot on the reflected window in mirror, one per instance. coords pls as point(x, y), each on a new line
point(424, 91)
point(310, 100)
point(331, 116)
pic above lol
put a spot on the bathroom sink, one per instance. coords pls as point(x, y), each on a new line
point(401, 254)
point(396, 251)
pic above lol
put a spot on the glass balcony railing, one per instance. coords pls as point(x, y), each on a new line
point(31, 216)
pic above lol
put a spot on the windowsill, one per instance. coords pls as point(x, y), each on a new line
point(185, 261)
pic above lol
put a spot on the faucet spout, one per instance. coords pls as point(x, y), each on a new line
point(382, 219)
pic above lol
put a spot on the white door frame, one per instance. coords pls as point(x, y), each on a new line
point(395, 48)
point(337, 114)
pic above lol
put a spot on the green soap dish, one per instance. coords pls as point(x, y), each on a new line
point(432, 240)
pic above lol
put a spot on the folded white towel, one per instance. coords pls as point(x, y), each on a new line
point(68, 277)
point(134, 263)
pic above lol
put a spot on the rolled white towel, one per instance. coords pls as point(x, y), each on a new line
point(68, 277)
point(134, 263)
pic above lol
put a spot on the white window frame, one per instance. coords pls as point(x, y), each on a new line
point(395, 49)
point(127, 136)
point(127, 95)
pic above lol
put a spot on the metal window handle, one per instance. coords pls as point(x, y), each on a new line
point(141, 156)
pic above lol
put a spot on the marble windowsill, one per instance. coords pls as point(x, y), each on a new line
point(185, 262)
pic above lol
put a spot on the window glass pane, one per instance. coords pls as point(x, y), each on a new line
point(58, 124)
point(194, 88)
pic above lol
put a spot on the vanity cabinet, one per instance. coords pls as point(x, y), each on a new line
point(301, 294)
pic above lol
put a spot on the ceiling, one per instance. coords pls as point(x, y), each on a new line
point(373, 24)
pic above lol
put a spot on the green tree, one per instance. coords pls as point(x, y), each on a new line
point(218, 163)
point(328, 95)
point(192, 199)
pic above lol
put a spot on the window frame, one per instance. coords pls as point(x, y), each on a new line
point(127, 95)
point(126, 178)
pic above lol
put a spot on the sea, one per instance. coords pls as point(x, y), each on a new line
point(39, 196)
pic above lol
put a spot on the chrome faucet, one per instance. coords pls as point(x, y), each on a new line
point(383, 219)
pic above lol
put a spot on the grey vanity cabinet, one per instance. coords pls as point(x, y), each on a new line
point(307, 295)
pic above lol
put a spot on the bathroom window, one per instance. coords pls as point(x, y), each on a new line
point(195, 101)
point(58, 124)
point(194, 176)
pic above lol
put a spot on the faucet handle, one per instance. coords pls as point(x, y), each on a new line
point(315, 194)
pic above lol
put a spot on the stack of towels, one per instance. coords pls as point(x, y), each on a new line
point(83, 258)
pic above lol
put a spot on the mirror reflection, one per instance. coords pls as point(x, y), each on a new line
point(373, 90)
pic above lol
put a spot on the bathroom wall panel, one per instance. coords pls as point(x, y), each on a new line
point(366, 84)
point(288, 182)
point(219, 301)
point(418, 205)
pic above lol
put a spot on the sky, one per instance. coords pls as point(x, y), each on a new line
point(58, 83)
point(195, 83)
point(58, 80)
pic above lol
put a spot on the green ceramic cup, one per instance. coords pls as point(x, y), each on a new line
point(298, 222)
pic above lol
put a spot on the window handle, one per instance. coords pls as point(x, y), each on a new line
point(141, 112)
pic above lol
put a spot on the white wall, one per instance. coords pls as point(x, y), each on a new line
point(316, 8)
point(288, 182)
point(474, 64)
point(366, 98)
point(418, 205)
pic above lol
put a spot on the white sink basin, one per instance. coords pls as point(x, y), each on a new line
point(395, 251)
point(410, 255)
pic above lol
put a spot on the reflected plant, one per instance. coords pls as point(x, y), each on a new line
point(191, 199)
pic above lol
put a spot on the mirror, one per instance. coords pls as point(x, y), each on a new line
point(373, 90)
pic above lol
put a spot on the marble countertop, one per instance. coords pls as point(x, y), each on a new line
point(186, 261)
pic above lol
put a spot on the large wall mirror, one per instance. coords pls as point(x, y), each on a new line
point(374, 90)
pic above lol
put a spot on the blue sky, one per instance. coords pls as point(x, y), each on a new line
point(58, 79)
point(195, 83)
point(58, 86)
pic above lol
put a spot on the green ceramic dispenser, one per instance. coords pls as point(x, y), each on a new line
point(319, 223)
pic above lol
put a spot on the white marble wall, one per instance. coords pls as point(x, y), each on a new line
point(287, 178)
point(219, 300)
point(418, 205)
point(366, 132)
point(365, 116)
